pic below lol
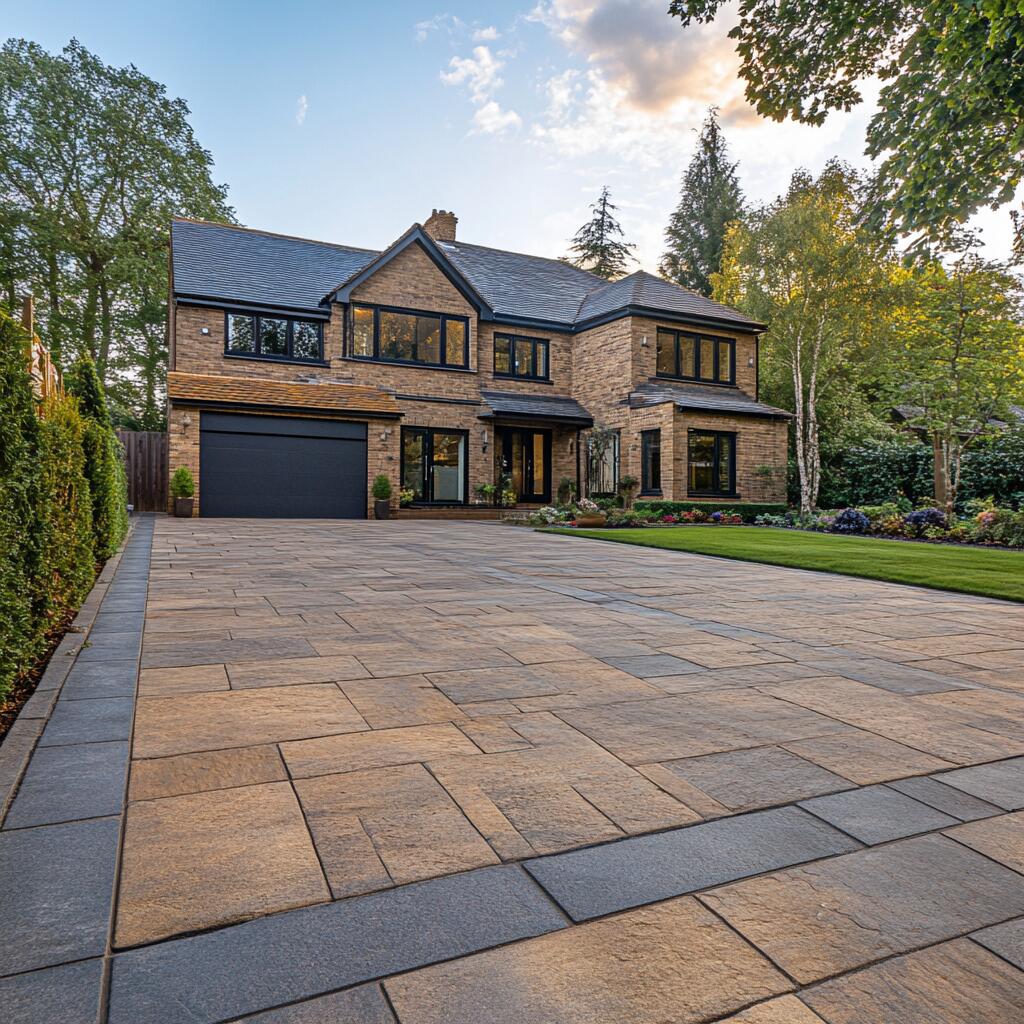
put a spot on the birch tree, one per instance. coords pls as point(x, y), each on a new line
point(802, 266)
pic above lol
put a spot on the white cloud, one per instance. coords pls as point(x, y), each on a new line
point(490, 119)
point(447, 23)
point(301, 106)
point(478, 73)
point(485, 35)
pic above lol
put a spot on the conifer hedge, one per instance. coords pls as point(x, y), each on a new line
point(55, 524)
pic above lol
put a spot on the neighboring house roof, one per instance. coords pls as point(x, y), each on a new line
point(520, 405)
point(239, 265)
point(697, 396)
point(307, 395)
point(906, 413)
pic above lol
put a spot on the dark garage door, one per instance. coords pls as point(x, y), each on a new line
point(281, 467)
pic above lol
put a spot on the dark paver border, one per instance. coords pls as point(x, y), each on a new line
point(78, 807)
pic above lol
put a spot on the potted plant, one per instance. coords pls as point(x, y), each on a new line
point(406, 496)
point(628, 486)
point(485, 493)
point(589, 514)
point(381, 497)
point(566, 490)
point(183, 489)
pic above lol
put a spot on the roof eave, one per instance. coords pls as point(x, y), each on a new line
point(190, 299)
point(698, 320)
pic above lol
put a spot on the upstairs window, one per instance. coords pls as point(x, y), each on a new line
point(525, 358)
point(273, 337)
point(687, 356)
point(405, 336)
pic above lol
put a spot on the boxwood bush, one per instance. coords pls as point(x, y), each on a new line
point(749, 510)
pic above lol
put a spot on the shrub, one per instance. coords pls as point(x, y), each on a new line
point(748, 510)
point(65, 567)
point(892, 526)
point(877, 514)
point(766, 519)
point(182, 484)
point(548, 516)
point(999, 526)
point(381, 487)
point(104, 460)
point(630, 517)
point(850, 520)
point(923, 519)
point(19, 443)
point(566, 490)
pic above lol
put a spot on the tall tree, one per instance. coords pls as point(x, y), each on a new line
point(709, 201)
point(950, 120)
point(958, 360)
point(94, 162)
point(802, 266)
point(599, 245)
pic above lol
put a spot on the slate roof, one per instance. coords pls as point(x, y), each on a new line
point(308, 395)
point(697, 396)
point(232, 264)
point(539, 407)
point(649, 292)
point(216, 261)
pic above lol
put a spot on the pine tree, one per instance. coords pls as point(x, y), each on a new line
point(709, 200)
point(598, 246)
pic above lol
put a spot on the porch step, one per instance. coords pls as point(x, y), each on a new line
point(451, 513)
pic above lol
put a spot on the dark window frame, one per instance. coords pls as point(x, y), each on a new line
point(427, 452)
point(719, 435)
point(289, 356)
point(648, 485)
point(442, 346)
point(513, 340)
point(697, 338)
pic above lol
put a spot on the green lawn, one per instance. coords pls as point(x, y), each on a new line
point(991, 572)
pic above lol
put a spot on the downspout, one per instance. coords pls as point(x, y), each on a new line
point(579, 482)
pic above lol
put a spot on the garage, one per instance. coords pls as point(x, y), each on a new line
point(281, 467)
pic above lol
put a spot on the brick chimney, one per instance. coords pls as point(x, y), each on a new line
point(440, 226)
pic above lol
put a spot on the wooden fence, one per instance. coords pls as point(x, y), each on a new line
point(145, 453)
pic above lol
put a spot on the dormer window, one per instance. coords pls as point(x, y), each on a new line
point(684, 355)
point(391, 335)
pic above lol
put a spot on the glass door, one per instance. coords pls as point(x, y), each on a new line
point(526, 459)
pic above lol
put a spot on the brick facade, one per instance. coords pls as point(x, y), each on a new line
point(598, 367)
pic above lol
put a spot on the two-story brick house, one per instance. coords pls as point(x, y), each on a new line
point(300, 370)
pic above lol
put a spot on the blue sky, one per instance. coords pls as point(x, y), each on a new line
point(347, 122)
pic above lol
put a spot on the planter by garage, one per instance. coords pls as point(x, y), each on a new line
point(382, 508)
point(183, 507)
point(591, 520)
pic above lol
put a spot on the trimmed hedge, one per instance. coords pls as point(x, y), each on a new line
point(104, 460)
point(749, 510)
point(53, 532)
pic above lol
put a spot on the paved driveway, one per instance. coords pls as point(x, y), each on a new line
point(681, 786)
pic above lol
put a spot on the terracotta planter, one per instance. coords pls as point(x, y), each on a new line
point(591, 520)
point(382, 508)
point(183, 507)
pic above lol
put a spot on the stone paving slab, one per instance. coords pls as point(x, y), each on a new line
point(1001, 784)
point(935, 793)
point(362, 1005)
point(1000, 838)
point(55, 901)
point(68, 994)
point(603, 879)
point(821, 919)
point(783, 1010)
point(1005, 939)
point(70, 783)
point(877, 814)
point(288, 957)
point(954, 983)
point(114, 678)
point(212, 769)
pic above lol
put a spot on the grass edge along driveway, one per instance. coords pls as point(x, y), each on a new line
point(989, 572)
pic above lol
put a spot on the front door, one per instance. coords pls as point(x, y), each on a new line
point(526, 458)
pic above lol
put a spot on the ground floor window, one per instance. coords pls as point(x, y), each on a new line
point(603, 461)
point(650, 462)
point(712, 463)
point(434, 465)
